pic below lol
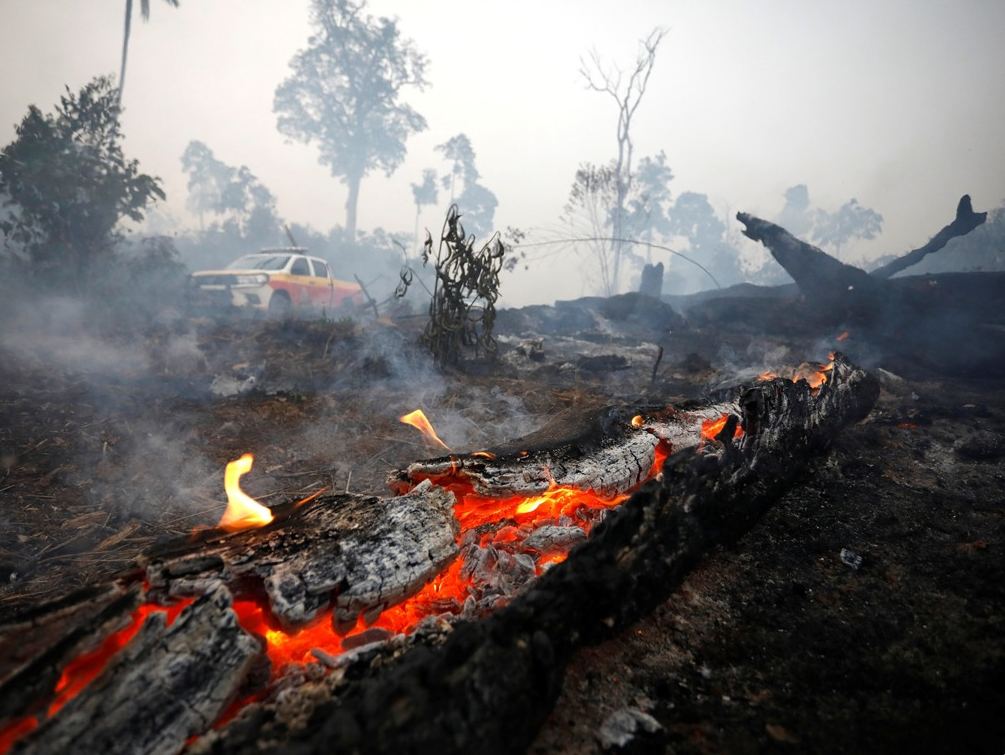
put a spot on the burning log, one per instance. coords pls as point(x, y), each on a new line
point(358, 554)
point(165, 686)
point(35, 648)
point(493, 682)
point(601, 450)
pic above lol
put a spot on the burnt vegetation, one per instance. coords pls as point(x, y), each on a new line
point(462, 310)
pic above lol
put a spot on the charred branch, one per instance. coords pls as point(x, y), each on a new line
point(966, 220)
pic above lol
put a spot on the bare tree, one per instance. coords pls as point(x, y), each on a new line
point(627, 93)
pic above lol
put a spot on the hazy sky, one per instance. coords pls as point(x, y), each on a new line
point(898, 103)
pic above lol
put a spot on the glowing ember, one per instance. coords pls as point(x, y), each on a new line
point(843, 336)
point(637, 420)
point(814, 375)
point(418, 420)
point(83, 669)
point(712, 427)
point(243, 512)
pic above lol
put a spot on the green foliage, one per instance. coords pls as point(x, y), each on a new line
point(243, 206)
point(425, 193)
point(146, 281)
point(694, 218)
point(593, 211)
point(851, 221)
point(344, 93)
point(477, 203)
point(68, 186)
point(462, 311)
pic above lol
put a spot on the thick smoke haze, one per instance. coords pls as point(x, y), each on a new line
point(897, 104)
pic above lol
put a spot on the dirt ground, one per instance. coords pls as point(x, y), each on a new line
point(864, 613)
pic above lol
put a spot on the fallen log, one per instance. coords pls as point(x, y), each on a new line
point(493, 682)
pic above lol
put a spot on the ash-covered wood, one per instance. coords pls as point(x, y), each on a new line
point(166, 685)
point(601, 450)
point(358, 554)
point(493, 682)
point(37, 645)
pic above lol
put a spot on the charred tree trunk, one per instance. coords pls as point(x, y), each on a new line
point(908, 321)
point(492, 684)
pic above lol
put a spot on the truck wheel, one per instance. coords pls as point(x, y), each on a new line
point(280, 304)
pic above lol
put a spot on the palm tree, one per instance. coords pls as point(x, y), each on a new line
point(145, 12)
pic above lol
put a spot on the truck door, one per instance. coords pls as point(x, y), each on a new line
point(323, 289)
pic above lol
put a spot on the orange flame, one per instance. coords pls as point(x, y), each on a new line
point(243, 512)
point(712, 427)
point(418, 420)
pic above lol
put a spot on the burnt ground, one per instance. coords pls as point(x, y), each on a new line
point(863, 613)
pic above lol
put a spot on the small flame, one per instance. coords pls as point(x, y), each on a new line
point(484, 454)
point(243, 512)
point(712, 427)
point(418, 420)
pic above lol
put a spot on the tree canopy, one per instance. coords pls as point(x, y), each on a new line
point(69, 185)
point(344, 94)
point(476, 204)
point(234, 195)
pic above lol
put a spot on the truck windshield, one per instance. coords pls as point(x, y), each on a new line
point(260, 262)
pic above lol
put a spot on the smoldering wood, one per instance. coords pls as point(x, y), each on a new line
point(37, 645)
point(493, 683)
point(599, 449)
point(357, 554)
point(166, 685)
